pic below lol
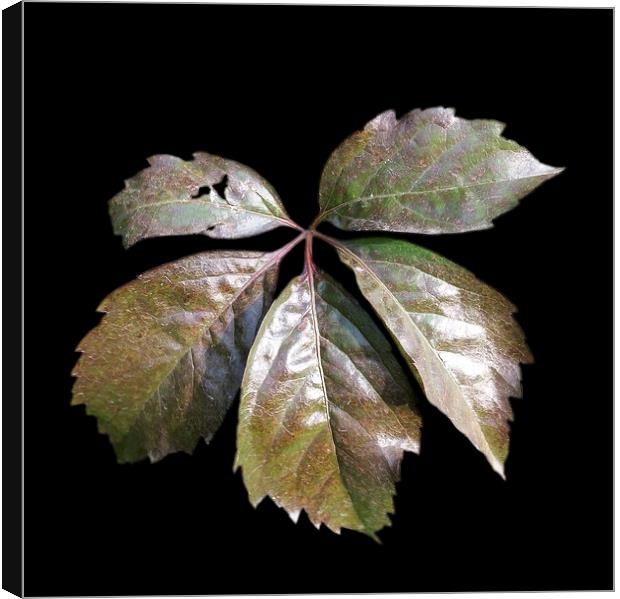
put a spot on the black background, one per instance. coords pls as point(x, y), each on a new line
point(278, 88)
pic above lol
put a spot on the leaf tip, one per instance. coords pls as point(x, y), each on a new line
point(498, 467)
point(372, 534)
point(76, 398)
point(153, 456)
point(553, 171)
point(255, 501)
point(386, 119)
point(293, 515)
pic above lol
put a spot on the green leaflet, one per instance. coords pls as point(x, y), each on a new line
point(177, 197)
point(428, 172)
point(163, 366)
point(456, 332)
point(325, 412)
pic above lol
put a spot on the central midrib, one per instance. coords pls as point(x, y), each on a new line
point(421, 336)
point(424, 192)
point(317, 341)
point(196, 201)
point(201, 330)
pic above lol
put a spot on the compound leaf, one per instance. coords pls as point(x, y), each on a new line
point(326, 412)
point(456, 332)
point(429, 172)
point(163, 366)
point(176, 197)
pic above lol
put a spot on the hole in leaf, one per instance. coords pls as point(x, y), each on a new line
point(210, 228)
point(202, 192)
point(220, 187)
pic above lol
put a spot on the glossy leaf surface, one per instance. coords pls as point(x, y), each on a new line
point(326, 412)
point(428, 172)
point(163, 366)
point(456, 332)
point(177, 197)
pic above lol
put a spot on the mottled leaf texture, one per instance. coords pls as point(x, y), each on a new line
point(428, 172)
point(176, 197)
point(456, 332)
point(163, 366)
point(326, 412)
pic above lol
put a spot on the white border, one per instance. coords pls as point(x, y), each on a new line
point(496, 3)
